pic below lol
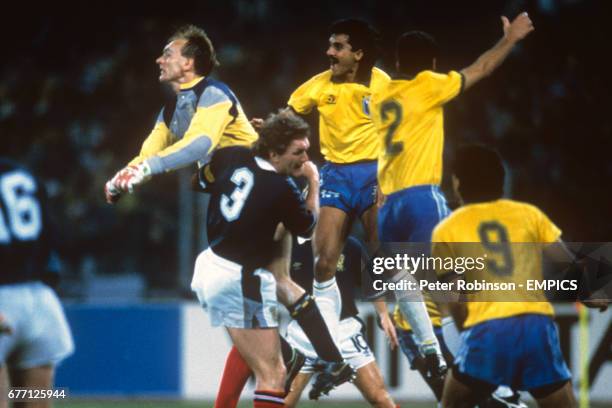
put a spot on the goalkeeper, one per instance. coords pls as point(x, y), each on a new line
point(204, 115)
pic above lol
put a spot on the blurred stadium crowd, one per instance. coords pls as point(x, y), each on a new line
point(78, 97)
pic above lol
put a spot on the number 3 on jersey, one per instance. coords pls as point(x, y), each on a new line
point(232, 206)
point(19, 205)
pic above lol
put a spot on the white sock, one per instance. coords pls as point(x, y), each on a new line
point(413, 307)
point(418, 318)
point(504, 391)
point(451, 334)
point(327, 296)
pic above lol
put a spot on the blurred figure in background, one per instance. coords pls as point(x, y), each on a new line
point(34, 333)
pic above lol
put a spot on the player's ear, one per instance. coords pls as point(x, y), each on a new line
point(273, 157)
point(189, 64)
point(358, 55)
point(456, 182)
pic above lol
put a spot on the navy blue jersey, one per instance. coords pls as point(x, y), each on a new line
point(348, 271)
point(248, 201)
point(24, 225)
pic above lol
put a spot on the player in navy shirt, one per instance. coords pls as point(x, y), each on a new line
point(34, 333)
point(251, 197)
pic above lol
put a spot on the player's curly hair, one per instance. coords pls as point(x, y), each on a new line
point(278, 131)
point(480, 171)
point(361, 36)
point(198, 46)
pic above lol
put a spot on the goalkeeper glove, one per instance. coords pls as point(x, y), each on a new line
point(111, 192)
point(132, 176)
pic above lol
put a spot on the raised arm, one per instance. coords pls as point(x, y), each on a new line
point(311, 173)
point(514, 32)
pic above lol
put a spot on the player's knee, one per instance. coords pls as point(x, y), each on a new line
point(280, 372)
point(271, 375)
point(325, 267)
point(284, 285)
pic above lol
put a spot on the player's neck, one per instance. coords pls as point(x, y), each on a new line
point(186, 81)
point(348, 76)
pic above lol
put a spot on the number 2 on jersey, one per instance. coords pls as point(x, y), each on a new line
point(17, 201)
point(494, 237)
point(386, 109)
point(232, 206)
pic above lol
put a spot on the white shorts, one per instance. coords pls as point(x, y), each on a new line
point(233, 298)
point(40, 332)
point(353, 346)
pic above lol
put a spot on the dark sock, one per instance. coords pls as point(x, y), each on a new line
point(286, 350)
point(306, 312)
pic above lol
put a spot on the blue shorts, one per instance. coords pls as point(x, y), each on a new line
point(411, 215)
point(522, 352)
point(411, 349)
point(349, 187)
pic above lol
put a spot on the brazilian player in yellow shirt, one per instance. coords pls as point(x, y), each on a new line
point(348, 140)
point(408, 115)
point(503, 342)
point(204, 115)
point(349, 144)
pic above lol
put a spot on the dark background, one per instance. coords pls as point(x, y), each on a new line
point(79, 93)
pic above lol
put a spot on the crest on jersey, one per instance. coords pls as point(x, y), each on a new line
point(365, 104)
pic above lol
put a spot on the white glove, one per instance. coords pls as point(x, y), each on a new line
point(132, 176)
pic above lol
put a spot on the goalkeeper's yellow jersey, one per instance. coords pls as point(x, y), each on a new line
point(346, 132)
point(408, 117)
point(203, 108)
point(509, 235)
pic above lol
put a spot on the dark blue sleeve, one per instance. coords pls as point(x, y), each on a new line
point(298, 219)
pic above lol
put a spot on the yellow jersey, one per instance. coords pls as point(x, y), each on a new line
point(509, 236)
point(408, 117)
point(346, 132)
point(203, 108)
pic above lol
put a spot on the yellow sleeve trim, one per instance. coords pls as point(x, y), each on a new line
point(159, 139)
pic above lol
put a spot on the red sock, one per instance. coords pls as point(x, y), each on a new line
point(235, 375)
point(268, 399)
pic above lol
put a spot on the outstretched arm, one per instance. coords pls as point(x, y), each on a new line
point(514, 32)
